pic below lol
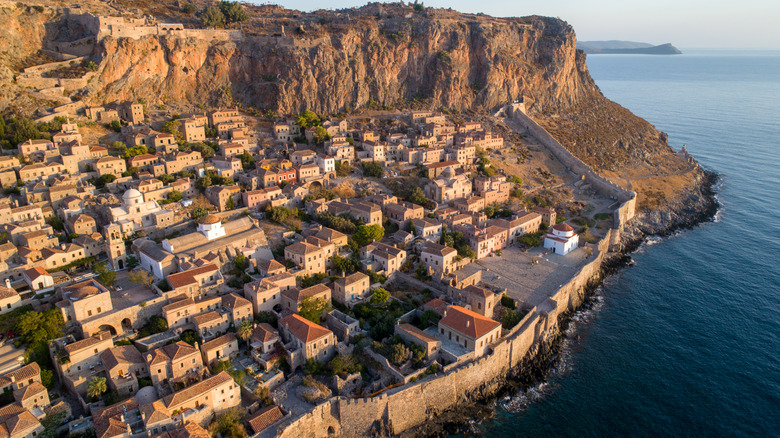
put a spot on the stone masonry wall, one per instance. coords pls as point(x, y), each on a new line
point(402, 408)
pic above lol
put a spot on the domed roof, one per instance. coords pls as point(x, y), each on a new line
point(132, 193)
point(84, 292)
point(563, 226)
point(210, 219)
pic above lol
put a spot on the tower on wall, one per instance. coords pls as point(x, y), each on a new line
point(115, 247)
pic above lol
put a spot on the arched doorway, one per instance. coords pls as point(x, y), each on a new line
point(315, 185)
point(109, 328)
point(127, 325)
point(120, 264)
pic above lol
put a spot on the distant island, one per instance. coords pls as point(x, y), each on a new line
point(626, 47)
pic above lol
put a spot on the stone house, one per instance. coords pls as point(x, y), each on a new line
point(338, 238)
point(351, 288)
point(193, 130)
point(38, 279)
point(9, 299)
point(219, 349)
point(369, 213)
point(110, 166)
point(469, 329)
point(219, 195)
point(469, 205)
point(548, 215)
point(438, 258)
point(211, 324)
point(403, 212)
point(196, 282)
point(180, 312)
point(41, 171)
point(310, 258)
point(428, 229)
point(413, 335)
point(264, 338)
point(132, 112)
point(293, 298)
point(173, 361)
point(143, 162)
point(82, 224)
point(179, 161)
point(210, 396)
point(264, 295)
point(382, 257)
point(518, 225)
point(436, 169)
point(124, 365)
point(313, 340)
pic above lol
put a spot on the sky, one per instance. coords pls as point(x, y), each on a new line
point(688, 24)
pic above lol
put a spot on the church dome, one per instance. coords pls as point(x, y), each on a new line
point(563, 226)
point(131, 194)
point(210, 219)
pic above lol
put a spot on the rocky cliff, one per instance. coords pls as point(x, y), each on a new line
point(380, 56)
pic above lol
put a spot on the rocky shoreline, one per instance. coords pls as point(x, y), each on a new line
point(697, 208)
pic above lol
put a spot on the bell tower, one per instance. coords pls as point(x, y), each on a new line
point(115, 247)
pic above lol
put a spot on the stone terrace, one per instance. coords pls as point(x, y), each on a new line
point(530, 284)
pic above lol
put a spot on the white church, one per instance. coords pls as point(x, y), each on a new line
point(562, 239)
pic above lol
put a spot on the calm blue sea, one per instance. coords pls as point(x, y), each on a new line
point(686, 342)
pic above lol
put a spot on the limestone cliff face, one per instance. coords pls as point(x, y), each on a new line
point(465, 63)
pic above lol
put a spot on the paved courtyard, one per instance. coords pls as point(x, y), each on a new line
point(530, 283)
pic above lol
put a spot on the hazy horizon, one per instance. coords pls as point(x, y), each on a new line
point(686, 24)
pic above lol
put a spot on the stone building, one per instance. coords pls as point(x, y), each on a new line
point(173, 361)
point(469, 329)
point(354, 287)
point(311, 340)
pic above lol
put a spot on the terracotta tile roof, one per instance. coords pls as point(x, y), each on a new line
point(436, 305)
point(29, 371)
point(187, 430)
point(34, 273)
point(170, 352)
point(232, 301)
point(304, 329)
point(207, 317)
point(563, 226)
point(263, 332)
point(301, 248)
point(124, 354)
point(218, 342)
point(439, 250)
point(329, 234)
point(196, 390)
point(28, 391)
point(108, 421)
point(154, 412)
point(264, 418)
point(468, 323)
point(351, 279)
point(7, 292)
point(14, 419)
point(270, 266)
point(86, 343)
point(298, 295)
point(186, 278)
point(183, 302)
point(479, 291)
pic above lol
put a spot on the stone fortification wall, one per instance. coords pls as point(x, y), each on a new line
point(405, 407)
point(626, 197)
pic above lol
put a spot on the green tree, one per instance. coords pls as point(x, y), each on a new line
point(105, 275)
point(348, 265)
point(212, 16)
point(313, 308)
point(398, 354)
point(244, 331)
point(105, 179)
point(116, 125)
point(166, 179)
point(307, 119)
point(203, 183)
point(22, 130)
point(189, 8)
point(175, 196)
point(233, 12)
point(118, 148)
point(417, 196)
point(321, 135)
point(198, 212)
point(47, 378)
point(173, 127)
point(131, 262)
point(141, 277)
point(247, 161)
point(190, 337)
point(230, 204)
point(373, 169)
point(206, 151)
point(366, 234)
point(96, 387)
point(55, 223)
point(343, 168)
point(380, 297)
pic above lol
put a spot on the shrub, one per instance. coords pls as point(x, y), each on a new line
point(508, 302)
point(373, 169)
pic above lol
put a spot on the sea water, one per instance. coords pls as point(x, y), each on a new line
point(687, 341)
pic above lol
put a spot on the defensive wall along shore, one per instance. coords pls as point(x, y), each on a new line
point(402, 408)
point(516, 114)
point(399, 409)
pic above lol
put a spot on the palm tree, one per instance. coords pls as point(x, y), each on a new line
point(96, 386)
point(244, 331)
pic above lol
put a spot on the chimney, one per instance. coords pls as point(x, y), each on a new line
point(8, 283)
point(196, 346)
point(468, 323)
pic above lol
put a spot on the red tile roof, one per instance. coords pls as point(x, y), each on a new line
point(468, 323)
point(264, 418)
point(304, 329)
point(186, 278)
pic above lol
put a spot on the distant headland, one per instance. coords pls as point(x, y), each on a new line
point(626, 47)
